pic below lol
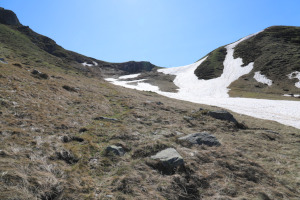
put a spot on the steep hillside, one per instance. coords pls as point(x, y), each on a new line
point(16, 37)
point(65, 133)
point(275, 53)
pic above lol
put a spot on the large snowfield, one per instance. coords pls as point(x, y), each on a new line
point(215, 91)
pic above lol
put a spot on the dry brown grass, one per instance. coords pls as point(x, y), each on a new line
point(35, 114)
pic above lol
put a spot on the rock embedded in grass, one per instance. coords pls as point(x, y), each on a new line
point(2, 60)
point(199, 139)
point(169, 158)
point(117, 150)
point(105, 118)
point(226, 116)
point(40, 75)
point(70, 89)
point(222, 115)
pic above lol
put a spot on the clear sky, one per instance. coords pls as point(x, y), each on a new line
point(167, 33)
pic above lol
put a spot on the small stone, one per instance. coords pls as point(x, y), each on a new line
point(3, 61)
point(117, 150)
point(105, 118)
point(39, 74)
point(188, 118)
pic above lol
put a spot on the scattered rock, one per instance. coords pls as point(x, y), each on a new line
point(3, 61)
point(168, 161)
point(40, 75)
point(199, 138)
point(105, 118)
point(222, 115)
point(117, 150)
point(159, 103)
point(67, 139)
point(70, 89)
point(188, 118)
point(82, 130)
point(227, 116)
point(17, 65)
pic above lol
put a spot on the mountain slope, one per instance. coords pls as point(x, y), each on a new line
point(15, 36)
point(216, 91)
point(58, 120)
point(275, 53)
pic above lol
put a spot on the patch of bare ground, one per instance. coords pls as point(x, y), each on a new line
point(53, 141)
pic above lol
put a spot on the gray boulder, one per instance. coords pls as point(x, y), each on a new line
point(2, 60)
point(199, 139)
point(169, 158)
point(117, 150)
point(227, 116)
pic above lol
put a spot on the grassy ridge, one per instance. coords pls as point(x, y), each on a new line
point(212, 67)
point(276, 53)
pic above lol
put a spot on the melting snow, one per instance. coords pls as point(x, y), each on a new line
point(262, 78)
point(215, 91)
point(129, 76)
point(291, 95)
point(295, 74)
point(135, 84)
point(90, 65)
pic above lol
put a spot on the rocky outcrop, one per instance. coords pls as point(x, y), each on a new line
point(135, 67)
point(8, 17)
point(199, 139)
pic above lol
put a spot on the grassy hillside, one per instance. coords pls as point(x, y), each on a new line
point(213, 66)
point(276, 53)
point(38, 162)
point(57, 121)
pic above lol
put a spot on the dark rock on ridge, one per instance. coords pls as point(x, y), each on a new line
point(8, 17)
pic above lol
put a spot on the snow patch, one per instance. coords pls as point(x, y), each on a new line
point(292, 95)
point(293, 75)
point(95, 63)
point(262, 78)
point(90, 65)
point(129, 76)
point(138, 86)
point(192, 89)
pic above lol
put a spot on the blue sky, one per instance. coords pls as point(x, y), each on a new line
point(167, 33)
